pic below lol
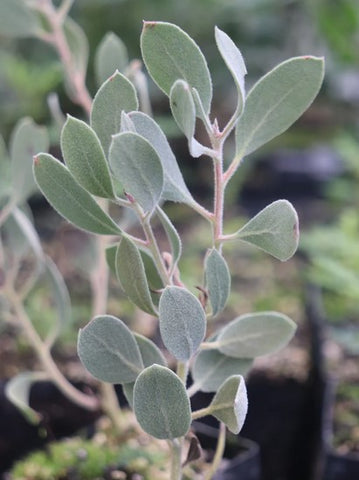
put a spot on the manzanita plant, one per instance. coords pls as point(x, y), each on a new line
point(121, 157)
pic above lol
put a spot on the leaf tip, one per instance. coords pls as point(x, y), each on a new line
point(149, 24)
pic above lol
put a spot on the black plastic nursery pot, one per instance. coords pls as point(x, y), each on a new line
point(336, 465)
point(332, 464)
point(341, 467)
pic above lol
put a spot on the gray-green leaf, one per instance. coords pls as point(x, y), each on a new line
point(275, 229)
point(150, 354)
point(27, 229)
point(255, 334)
point(183, 107)
point(235, 63)
point(17, 19)
point(109, 351)
point(161, 403)
point(111, 55)
point(78, 44)
point(136, 164)
point(182, 322)
point(174, 188)
point(230, 404)
point(61, 299)
point(172, 235)
point(18, 389)
point(211, 368)
point(116, 95)
point(169, 54)
point(277, 100)
point(85, 158)
point(218, 280)
point(68, 197)
point(27, 140)
point(132, 276)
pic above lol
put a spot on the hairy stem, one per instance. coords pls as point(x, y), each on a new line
point(176, 467)
point(202, 412)
point(218, 456)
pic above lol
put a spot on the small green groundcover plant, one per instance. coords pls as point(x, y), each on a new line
point(122, 158)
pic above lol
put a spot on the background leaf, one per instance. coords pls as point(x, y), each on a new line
point(67, 197)
point(27, 140)
point(255, 334)
point(135, 163)
point(230, 404)
point(60, 297)
point(182, 322)
point(111, 55)
point(170, 54)
point(218, 280)
point(150, 354)
point(115, 96)
point(277, 100)
point(132, 276)
point(275, 229)
point(18, 389)
point(17, 19)
point(78, 44)
point(234, 61)
point(85, 158)
point(28, 231)
point(174, 188)
point(109, 351)
point(161, 403)
point(211, 368)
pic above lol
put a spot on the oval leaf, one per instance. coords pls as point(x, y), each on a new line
point(255, 334)
point(275, 229)
point(182, 322)
point(111, 55)
point(136, 165)
point(150, 354)
point(174, 188)
point(17, 19)
point(218, 280)
point(230, 404)
point(211, 368)
point(116, 95)
point(71, 200)
point(161, 403)
point(85, 158)
point(169, 54)
point(26, 140)
point(235, 63)
point(132, 276)
point(109, 351)
point(183, 107)
point(277, 100)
